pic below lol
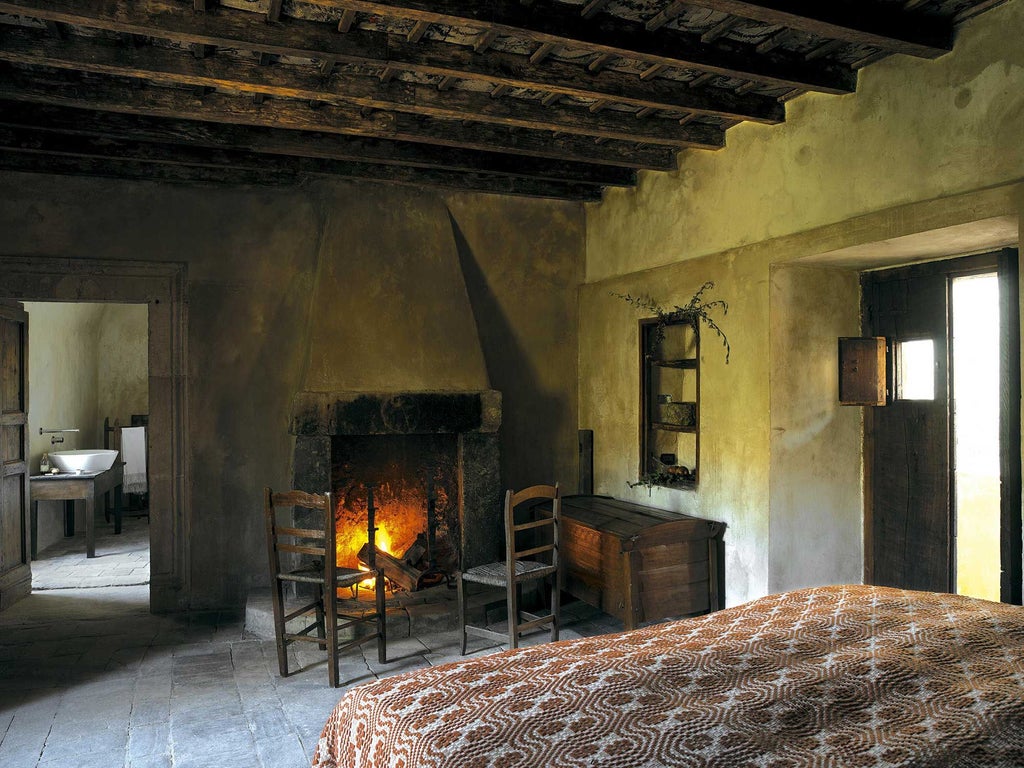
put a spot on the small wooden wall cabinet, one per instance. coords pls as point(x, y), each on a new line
point(639, 563)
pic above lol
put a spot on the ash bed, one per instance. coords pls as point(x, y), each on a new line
point(833, 676)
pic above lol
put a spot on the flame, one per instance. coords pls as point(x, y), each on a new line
point(384, 541)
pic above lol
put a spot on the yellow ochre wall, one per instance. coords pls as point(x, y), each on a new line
point(921, 146)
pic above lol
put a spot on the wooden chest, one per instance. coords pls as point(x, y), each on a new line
point(639, 563)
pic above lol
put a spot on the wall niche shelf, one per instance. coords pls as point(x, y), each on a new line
point(669, 404)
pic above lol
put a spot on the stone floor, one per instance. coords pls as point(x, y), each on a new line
point(90, 679)
point(121, 560)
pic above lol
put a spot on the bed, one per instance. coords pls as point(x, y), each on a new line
point(832, 676)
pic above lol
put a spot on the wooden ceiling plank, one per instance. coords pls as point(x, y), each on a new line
point(485, 41)
point(239, 29)
point(171, 68)
point(542, 52)
point(865, 22)
point(276, 141)
point(773, 41)
point(120, 150)
point(274, 10)
point(616, 37)
point(599, 62)
point(346, 21)
point(417, 31)
point(719, 29)
point(666, 15)
point(592, 7)
point(829, 46)
point(650, 72)
point(64, 90)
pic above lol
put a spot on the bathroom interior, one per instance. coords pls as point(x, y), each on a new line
point(88, 367)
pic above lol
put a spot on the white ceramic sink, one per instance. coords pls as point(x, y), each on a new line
point(83, 460)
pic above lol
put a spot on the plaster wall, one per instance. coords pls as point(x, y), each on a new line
point(122, 369)
point(923, 145)
point(914, 130)
point(63, 345)
point(260, 327)
point(816, 530)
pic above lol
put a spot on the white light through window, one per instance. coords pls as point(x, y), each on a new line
point(915, 370)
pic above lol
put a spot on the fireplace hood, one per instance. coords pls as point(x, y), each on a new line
point(392, 313)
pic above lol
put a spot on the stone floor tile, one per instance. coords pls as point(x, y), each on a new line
point(149, 739)
point(282, 752)
point(150, 761)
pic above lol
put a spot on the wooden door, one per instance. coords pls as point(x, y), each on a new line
point(909, 452)
point(909, 507)
point(15, 563)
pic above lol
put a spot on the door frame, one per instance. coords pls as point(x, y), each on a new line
point(16, 582)
point(162, 286)
point(1005, 262)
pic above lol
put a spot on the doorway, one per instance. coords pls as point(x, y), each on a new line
point(162, 288)
point(89, 373)
point(942, 458)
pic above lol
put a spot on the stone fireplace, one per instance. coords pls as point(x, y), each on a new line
point(408, 446)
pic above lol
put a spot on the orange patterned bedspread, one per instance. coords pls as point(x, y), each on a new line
point(834, 676)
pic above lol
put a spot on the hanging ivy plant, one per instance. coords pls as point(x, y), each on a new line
point(696, 311)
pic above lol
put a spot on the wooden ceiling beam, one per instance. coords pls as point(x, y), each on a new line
point(62, 89)
point(19, 140)
point(119, 169)
point(231, 28)
point(168, 66)
point(560, 24)
point(277, 141)
point(865, 22)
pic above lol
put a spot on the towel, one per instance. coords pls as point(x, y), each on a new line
point(133, 451)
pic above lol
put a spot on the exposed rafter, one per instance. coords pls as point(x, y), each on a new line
point(552, 98)
point(559, 24)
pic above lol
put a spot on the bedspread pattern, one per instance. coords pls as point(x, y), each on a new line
point(834, 676)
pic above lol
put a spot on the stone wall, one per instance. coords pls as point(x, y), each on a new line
point(260, 329)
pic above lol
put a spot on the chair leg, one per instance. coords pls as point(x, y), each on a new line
point(462, 609)
point(513, 615)
point(556, 601)
point(382, 623)
point(331, 621)
point(277, 602)
point(321, 623)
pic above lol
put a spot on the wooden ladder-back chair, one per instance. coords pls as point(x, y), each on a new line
point(318, 567)
point(520, 566)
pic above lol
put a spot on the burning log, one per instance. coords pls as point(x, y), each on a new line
point(416, 551)
point(400, 573)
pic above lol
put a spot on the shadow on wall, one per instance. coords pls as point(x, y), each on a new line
point(531, 420)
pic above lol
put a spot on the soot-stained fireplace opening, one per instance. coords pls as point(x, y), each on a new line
point(416, 494)
point(415, 449)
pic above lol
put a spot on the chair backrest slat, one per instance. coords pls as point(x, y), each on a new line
point(536, 493)
point(300, 550)
point(300, 533)
point(523, 553)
